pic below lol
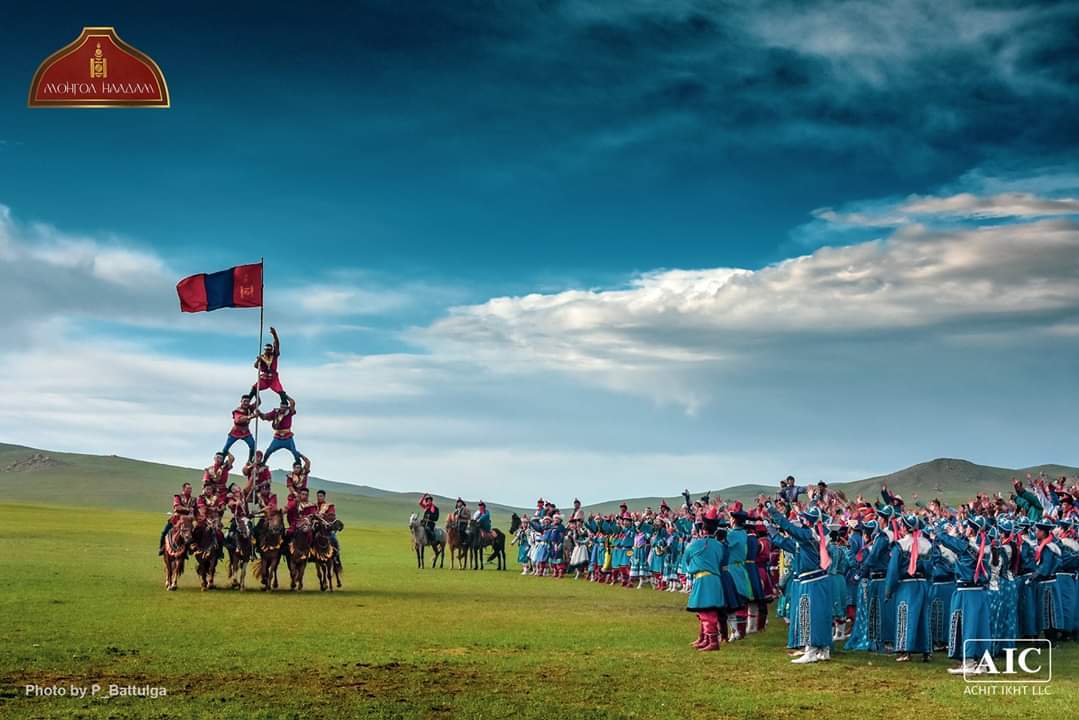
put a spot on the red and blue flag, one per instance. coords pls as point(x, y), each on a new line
point(240, 286)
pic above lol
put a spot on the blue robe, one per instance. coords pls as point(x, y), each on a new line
point(867, 632)
point(702, 558)
point(940, 594)
point(736, 564)
point(968, 618)
point(911, 593)
point(1050, 613)
point(811, 614)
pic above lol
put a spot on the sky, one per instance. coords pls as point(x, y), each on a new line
point(558, 249)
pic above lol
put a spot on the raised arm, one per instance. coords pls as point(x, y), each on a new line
point(276, 341)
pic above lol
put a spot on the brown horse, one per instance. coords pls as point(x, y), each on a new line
point(455, 542)
point(297, 554)
point(241, 549)
point(324, 554)
point(176, 543)
point(206, 546)
point(270, 539)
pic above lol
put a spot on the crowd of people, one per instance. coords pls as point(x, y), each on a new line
point(254, 501)
point(882, 576)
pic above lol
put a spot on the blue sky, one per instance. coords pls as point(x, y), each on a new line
point(514, 249)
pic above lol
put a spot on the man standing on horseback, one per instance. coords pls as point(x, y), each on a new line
point(258, 474)
point(217, 475)
point(297, 479)
point(430, 514)
point(183, 505)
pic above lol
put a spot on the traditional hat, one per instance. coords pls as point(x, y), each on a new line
point(812, 514)
point(886, 512)
point(977, 522)
point(912, 521)
point(1045, 524)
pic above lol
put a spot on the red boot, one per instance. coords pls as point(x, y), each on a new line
point(699, 642)
point(711, 643)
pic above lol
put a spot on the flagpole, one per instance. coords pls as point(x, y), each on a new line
point(262, 315)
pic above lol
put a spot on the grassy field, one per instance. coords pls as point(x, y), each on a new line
point(83, 603)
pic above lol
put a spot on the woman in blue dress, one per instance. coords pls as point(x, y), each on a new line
point(702, 558)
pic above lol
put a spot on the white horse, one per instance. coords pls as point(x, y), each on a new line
point(421, 539)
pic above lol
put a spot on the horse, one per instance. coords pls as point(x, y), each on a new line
point(455, 540)
point(206, 546)
point(297, 554)
point(477, 540)
point(176, 543)
point(270, 539)
point(241, 549)
point(325, 555)
point(420, 541)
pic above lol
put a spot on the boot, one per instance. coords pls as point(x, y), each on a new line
point(699, 642)
point(751, 619)
point(711, 643)
point(809, 656)
point(824, 653)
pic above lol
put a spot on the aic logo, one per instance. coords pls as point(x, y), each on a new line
point(1021, 661)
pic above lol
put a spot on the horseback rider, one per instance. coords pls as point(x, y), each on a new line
point(241, 420)
point(266, 364)
point(328, 513)
point(237, 507)
point(210, 507)
point(460, 515)
point(430, 514)
point(183, 505)
point(298, 507)
point(483, 520)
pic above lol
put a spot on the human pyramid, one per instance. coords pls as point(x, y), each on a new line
point(195, 524)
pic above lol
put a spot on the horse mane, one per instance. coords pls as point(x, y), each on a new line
point(515, 523)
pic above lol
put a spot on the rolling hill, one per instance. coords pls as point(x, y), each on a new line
point(28, 475)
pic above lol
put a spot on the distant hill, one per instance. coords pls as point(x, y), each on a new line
point(952, 481)
point(30, 475)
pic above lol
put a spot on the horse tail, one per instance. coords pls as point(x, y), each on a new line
point(256, 568)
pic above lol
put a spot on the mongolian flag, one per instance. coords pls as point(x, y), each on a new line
point(240, 286)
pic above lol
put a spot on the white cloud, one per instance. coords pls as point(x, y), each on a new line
point(914, 278)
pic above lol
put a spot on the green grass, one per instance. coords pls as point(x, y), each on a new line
point(83, 602)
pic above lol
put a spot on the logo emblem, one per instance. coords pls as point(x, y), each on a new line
point(119, 75)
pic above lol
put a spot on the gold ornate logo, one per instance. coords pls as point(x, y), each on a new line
point(99, 65)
